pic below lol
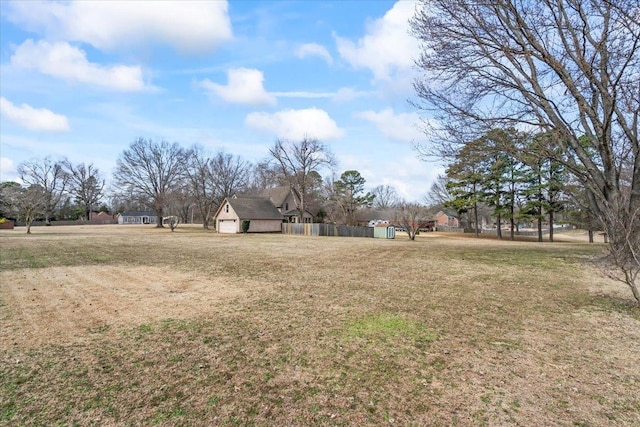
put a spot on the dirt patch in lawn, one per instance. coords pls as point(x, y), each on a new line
point(66, 304)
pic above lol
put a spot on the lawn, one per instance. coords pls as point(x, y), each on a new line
point(129, 325)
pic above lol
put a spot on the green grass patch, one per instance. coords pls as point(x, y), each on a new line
point(386, 327)
point(613, 304)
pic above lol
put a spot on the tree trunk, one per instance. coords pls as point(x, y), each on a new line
point(540, 228)
point(540, 238)
point(551, 225)
point(209, 216)
point(159, 214)
point(499, 227)
point(620, 232)
point(590, 236)
point(512, 224)
point(475, 218)
point(634, 290)
point(301, 208)
point(512, 203)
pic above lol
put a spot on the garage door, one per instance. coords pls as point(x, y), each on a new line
point(227, 226)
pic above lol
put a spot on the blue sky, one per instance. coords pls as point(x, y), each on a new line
point(83, 80)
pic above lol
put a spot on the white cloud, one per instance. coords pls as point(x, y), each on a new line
point(244, 86)
point(314, 49)
point(296, 124)
point(33, 118)
point(411, 177)
point(8, 170)
point(303, 94)
point(188, 26)
point(387, 48)
point(348, 94)
point(343, 94)
point(70, 63)
point(401, 127)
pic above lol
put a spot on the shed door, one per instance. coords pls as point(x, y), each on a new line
point(227, 226)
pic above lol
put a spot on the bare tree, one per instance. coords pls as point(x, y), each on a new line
point(296, 161)
point(85, 184)
point(439, 194)
point(314, 200)
point(411, 217)
point(22, 203)
point(50, 176)
point(121, 200)
point(231, 174)
point(149, 171)
point(331, 210)
point(176, 207)
point(265, 175)
point(173, 222)
point(214, 178)
point(180, 200)
point(202, 183)
point(569, 68)
point(385, 197)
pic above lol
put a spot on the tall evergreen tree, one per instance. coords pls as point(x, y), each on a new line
point(350, 195)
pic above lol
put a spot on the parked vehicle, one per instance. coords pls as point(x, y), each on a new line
point(375, 222)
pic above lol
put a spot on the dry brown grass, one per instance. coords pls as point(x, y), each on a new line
point(126, 325)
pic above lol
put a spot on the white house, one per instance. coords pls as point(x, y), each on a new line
point(137, 217)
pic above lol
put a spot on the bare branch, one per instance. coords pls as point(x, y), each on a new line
point(149, 171)
point(570, 68)
point(297, 160)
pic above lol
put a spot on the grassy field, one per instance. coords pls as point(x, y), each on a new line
point(127, 325)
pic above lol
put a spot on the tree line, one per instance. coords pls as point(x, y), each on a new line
point(177, 182)
point(514, 177)
point(48, 186)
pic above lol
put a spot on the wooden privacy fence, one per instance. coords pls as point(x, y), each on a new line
point(326, 230)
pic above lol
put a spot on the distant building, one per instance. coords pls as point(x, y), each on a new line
point(100, 216)
point(137, 217)
point(447, 218)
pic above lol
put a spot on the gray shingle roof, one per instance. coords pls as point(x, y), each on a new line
point(277, 194)
point(254, 208)
point(138, 213)
point(450, 212)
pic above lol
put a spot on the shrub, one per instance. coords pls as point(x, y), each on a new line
point(245, 226)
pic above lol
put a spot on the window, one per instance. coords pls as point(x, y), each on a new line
point(226, 209)
point(286, 206)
